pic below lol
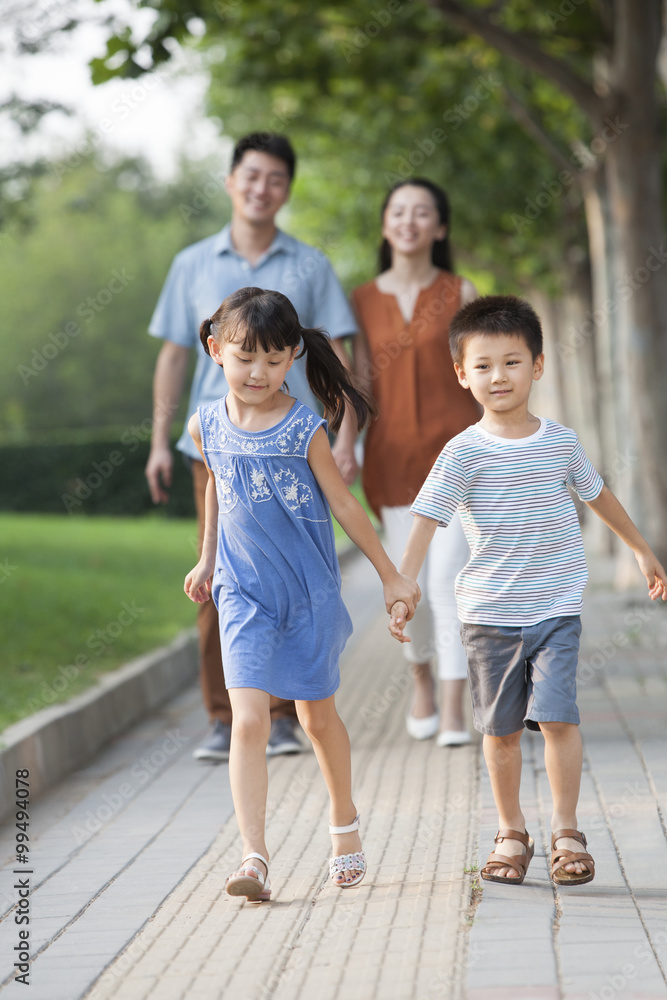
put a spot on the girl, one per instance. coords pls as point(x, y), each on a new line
point(269, 561)
point(403, 356)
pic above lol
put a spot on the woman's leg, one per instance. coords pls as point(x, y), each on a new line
point(448, 554)
point(419, 652)
point(331, 743)
point(248, 775)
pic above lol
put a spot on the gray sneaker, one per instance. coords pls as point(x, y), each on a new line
point(282, 738)
point(217, 745)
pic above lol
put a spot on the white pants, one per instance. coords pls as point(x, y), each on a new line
point(434, 630)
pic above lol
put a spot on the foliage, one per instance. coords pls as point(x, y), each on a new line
point(89, 477)
point(80, 286)
point(372, 93)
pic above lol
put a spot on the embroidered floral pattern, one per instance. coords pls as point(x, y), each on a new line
point(230, 453)
point(225, 493)
point(294, 493)
point(259, 488)
point(290, 438)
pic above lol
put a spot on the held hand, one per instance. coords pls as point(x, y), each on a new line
point(198, 583)
point(655, 575)
point(347, 464)
point(402, 588)
point(159, 474)
point(398, 621)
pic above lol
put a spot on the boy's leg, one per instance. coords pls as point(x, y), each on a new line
point(331, 743)
point(503, 760)
point(553, 707)
point(498, 685)
point(248, 775)
point(562, 760)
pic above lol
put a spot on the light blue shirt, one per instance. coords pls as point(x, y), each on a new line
point(204, 274)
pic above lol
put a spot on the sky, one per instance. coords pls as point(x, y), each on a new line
point(158, 115)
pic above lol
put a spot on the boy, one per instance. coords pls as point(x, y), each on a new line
point(519, 596)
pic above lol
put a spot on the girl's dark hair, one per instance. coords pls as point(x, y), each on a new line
point(253, 316)
point(441, 252)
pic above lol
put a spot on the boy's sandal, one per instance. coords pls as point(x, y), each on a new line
point(347, 862)
point(560, 857)
point(519, 862)
point(249, 881)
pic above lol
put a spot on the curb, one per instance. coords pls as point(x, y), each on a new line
point(59, 739)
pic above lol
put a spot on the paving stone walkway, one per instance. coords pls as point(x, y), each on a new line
point(130, 854)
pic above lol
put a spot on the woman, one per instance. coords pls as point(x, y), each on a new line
point(403, 356)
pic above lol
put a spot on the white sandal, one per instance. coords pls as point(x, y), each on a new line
point(347, 862)
point(256, 888)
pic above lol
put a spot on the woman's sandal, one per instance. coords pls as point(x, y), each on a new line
point(256, 888)
point(560, 857)
point(519, 862)
point(347, 862)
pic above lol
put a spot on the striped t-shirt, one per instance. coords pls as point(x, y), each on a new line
point(527, 557)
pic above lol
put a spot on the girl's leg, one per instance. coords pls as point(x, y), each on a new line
point(447, 556)
point(503, 760)
point(563, 760)
point(248, 775)
point(326, 731)
point(419, 652)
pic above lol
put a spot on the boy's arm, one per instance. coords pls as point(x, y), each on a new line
point(609, 509)
point(416, 547)
point(354, 521)
point(198, 581)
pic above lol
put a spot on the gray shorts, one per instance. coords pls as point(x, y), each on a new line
point(523, 676)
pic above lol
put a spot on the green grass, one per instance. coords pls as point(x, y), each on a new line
point(80, 596)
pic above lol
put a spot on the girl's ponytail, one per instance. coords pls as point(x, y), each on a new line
point(206, 331)
point(331, 382)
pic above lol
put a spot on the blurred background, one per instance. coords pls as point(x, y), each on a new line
point(542, 121)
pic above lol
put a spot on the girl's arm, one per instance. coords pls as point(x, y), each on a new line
point(353, 519)
point(611, 511)
point(416, 547)
point(198, 581)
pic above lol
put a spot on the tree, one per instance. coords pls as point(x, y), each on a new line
point(579, 61)
point(80, 285)
point(625, 217)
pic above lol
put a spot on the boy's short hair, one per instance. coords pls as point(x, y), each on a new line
point(495, 314)
point(266, 142)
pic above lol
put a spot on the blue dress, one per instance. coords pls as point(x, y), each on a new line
point(276, 584)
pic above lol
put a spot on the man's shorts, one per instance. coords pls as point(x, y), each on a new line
point(523, 676)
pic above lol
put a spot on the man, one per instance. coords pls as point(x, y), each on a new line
point(251, 250)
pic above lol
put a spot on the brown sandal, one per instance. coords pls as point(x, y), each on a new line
point(520, 862)
point(563, 857)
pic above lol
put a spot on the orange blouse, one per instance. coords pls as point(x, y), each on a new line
point(421, 404)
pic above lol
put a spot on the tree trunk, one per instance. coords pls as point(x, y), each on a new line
point(633, 169)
